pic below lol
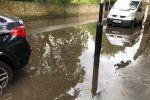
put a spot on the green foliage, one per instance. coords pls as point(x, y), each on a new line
point(86, 1)
point(69, 1)
point(52, 1)
point(64, 1)
point(107, 3)
point(60, 1)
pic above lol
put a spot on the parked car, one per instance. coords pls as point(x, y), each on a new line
point(14, 48)
point(126, 12)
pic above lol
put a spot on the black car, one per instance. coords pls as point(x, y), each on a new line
point(14, 48)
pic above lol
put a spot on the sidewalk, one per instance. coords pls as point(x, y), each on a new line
point(131, 82)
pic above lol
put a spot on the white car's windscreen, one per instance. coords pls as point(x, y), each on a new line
point(126, 5)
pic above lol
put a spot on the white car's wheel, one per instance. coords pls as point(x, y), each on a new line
point(6, 74)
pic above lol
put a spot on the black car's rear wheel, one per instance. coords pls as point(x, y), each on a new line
point(6, 74)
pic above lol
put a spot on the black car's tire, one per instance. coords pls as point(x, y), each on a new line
point(6, 74)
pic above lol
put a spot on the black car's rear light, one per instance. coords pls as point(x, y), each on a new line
point(18, 31)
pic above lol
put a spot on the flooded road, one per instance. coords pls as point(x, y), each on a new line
point(61, 63)
point(38, 23)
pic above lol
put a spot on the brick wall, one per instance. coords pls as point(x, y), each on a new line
point(30, 9)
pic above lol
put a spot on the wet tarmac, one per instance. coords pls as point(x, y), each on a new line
point(61, 63)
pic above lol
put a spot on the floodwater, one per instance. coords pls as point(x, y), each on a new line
point(61, 63)
point(32, 24)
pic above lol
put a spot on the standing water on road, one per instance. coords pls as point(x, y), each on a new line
point(61, 63)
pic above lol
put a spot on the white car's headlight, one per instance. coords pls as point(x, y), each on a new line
point(129, 16)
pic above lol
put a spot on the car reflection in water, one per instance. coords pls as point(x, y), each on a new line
point(121, 36)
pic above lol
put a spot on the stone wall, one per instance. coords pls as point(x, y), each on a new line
point(32, 9)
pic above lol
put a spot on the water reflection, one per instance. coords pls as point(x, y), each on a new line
point(132, 41)
point(122, 64)
point(120, 36)
point(123, 37)
point(61, 65)
point(95, 79)
point(6, 95)
point(58, 61)
point(54, 67)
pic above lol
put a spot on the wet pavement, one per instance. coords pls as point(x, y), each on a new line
point(131, 79)
point(61, 65)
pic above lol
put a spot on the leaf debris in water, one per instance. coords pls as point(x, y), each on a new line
point(142, 59)
point(123, 94)
point(88, 89)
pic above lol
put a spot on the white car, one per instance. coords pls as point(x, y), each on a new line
point(126, 12)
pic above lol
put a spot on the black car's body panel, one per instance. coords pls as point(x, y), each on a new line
point(14, 50)
point(9, 18)
point(19, 50)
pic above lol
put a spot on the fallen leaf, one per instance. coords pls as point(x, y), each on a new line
point(142, 59)
point(61, 66)
point(88, 89)
point(135, 70)
point(144, 80)
point(123, 77)
point(124, 94)
point(55, 70)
